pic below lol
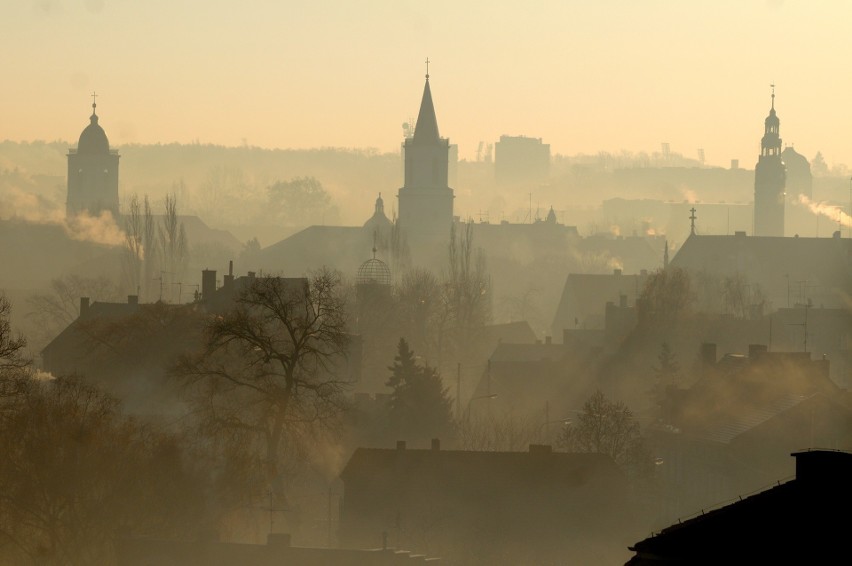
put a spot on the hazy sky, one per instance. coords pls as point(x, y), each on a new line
point(586, 76)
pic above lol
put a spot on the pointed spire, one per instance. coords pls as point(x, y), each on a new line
point(426, 128)
point(773, 96)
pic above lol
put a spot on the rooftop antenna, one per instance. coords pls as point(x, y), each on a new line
point(692, 218)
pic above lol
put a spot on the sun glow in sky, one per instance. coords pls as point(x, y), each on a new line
point(583, 75)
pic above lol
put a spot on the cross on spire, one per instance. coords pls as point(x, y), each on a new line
point(692, 218)
point(773, 94)
point(94, 100)
point(427, 67)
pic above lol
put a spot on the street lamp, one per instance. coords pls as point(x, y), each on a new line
point(472, 399)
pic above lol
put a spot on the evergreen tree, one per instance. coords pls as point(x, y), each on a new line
point(420, 406)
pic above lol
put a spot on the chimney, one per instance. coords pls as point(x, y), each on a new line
point(436, 444)
point(132, 299)
point(208, 284)
point(740, 233)
point(622, 301)
point(548, 340)
point(228, 280)
point(400, 445)
point(708, 353)
point(616, 272)
point(84, 306)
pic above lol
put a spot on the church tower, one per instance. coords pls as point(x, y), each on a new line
point(426, 200)
point(92, 172)
point(769, 180)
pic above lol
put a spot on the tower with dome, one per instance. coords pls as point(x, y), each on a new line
point(92, 172)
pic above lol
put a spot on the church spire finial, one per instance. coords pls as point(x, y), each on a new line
point(773, 95)
point(94, 102)
point(427, 68)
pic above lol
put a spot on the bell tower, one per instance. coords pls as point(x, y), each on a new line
point(770, 177)
point(426, 200)
point(92, 172)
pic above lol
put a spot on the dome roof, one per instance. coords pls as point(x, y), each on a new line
point(790, 156)
point(93, 139)
point(373, 272)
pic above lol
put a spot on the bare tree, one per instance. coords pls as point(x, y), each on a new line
point(75, 470)
point(467, 290)
point(173, 246)
point(504, 432)
point(419, 311)
point(133, 250)
point(54, 311)
point(608, 427)
point(11, 344)
point(270, 368)
point(667, 295)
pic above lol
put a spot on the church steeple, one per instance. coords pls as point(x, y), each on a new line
point(770, 179)
point(771, 142)
point(426, 199)
point(426, 129)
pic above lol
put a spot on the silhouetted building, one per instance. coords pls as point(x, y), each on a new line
point(585, 296)
point(769, 180)
point(728, 434)
point(537, 507)
point(521, 160)
point(426, 200)
point(816, 271)
point(92, 173)
point(799, 180)
point(801, 521)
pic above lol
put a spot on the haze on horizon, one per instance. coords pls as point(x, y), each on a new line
point(583, 76)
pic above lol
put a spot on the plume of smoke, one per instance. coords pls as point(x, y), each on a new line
point(833, 212)
point(689, 195)
point(18, 204)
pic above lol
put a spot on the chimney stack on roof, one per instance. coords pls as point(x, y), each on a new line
point(84, 306)
point(228, 280)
